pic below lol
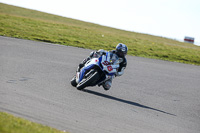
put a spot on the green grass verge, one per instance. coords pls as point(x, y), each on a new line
point(11, 124)
point(34, 25)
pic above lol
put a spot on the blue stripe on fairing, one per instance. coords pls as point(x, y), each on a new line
point(100, 59)
point(106, 55)
point(110, 74)
point(83, 71)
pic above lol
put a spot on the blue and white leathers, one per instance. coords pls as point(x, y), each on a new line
point(108, 65)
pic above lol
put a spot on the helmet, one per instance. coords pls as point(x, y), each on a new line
point(121, 50)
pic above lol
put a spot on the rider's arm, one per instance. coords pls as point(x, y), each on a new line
point(95, 54)
point(101, 52)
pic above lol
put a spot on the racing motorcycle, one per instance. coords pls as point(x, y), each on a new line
point(96, 71)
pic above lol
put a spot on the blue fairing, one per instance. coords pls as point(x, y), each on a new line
point(111, 74)
point(82, 73)
point(107, 55)
point(100, 59)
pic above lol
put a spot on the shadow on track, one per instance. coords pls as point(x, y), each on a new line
point(124, 101)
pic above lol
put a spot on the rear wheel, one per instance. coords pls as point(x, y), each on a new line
point(88, 81)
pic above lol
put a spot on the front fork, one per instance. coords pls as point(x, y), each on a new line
point(77, 77)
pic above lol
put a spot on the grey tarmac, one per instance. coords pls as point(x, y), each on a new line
point(153, 96)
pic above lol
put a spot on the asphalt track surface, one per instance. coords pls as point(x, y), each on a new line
point(153, 96)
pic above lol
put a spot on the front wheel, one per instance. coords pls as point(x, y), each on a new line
point(73, 81)
point(88, 81)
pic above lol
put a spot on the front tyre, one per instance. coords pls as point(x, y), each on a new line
point(73, 81)
point(88, 81)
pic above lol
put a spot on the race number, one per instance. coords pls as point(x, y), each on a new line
point(106, 63)
point(109, 68)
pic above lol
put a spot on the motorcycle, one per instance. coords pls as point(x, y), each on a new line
point(96, 71)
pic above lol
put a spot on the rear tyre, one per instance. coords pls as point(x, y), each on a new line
point(73, 81)
point(88, 81)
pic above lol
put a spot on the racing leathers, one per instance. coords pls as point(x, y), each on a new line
point(107, 84)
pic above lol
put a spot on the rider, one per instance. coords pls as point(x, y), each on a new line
point(121, 51)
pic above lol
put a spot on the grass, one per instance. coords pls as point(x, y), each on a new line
point(34, 25)
point(11, 124)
